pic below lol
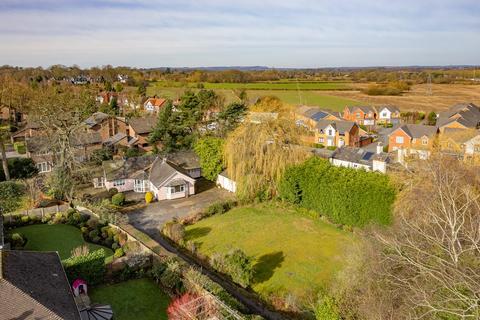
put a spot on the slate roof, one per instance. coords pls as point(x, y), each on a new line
point(96, 118)
point(143, 125)
point(33, 285)
point(38, 144)
point(130, 168)
point(162, 170)
point(358, 155)
point(390, 108)
point(365, 109)
point(314, 113)
point(185, 159)
point(416, 131)
point(466, 114)
point(339, 125)
point(115, 139)
point(460, 135)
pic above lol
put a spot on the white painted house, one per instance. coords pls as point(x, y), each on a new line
point(389, 114)
point(358, 158)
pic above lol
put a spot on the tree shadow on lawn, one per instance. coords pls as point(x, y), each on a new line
point(266, 265)
point(196, 233)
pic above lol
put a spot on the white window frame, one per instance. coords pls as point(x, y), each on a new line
point(321, 140)
point(140, 185)
point(181, 189)
point(118, 182)
point(425, 141)
point(43, 167)
point(399, 139)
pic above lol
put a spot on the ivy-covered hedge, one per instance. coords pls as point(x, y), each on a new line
point(90, 267)
point(345, 196)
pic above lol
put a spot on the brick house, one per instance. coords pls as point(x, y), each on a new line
point(138, 131)
point(106, 125)
point(154, 104)
point(337, 133)
point(363, 115)
point(309, 116)
point(10, 115)
point(460, 116)
point(32, 129)
point(414, 139)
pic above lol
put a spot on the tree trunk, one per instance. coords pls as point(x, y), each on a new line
point(4, 160)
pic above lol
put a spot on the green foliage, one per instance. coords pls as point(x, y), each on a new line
point(60, 184)
point(174, 230)
point(17, 240)
point(394, 88)
point(237, 265)
point(326, 309)
point(432, 118)
point(118, 199)
point(132, 152)
point(100, 155)
point(218, 208)
point(20, 168)
point(119, 253)
point(10, 196)
point(171, 277)
point(332, 148)
point(385, 148)
point(20, 147)
point(232, 115)
point(346, 196)
point(90, 267)
point(210, 152)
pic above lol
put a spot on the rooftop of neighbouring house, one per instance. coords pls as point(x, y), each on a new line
point(33, 285)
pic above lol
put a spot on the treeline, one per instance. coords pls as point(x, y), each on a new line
point(345, 196)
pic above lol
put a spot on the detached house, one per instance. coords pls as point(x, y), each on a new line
point(337, 133)
point(309, 116)
point(138, 131)
point(105, 125)
point(32, 129)
point(154, 104)
point(162, 177)
point(414, 139)
point(460, 116)
point(363, 115)
point(388, 114)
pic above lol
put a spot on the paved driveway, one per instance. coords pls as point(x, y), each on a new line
point(151, 217)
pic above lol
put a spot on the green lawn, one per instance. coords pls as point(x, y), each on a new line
point(292, 252)
point(306, 97)
point(57, 237)
point(139, 299)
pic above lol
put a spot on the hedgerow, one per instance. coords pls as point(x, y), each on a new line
point(345, 196)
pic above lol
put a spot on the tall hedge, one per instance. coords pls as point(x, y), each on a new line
point(346, 196)
point(90, 267)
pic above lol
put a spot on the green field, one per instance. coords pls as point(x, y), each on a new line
point(57, 237)
point(292, 252)
point(306, 97)
point(139, 299)
point(270, 85)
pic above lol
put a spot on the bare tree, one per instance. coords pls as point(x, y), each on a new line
point(427, 265)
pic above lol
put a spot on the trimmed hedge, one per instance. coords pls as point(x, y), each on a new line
point(346, 196)
point(90, 267)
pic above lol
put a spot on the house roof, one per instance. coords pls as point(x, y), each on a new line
point(162, 170)
point(467, 114)
point(314, 113)
point(157, 102)
point(30, 125)
point(143, 125)
point(96, 118)
point(38, 144)
point(359, 155)
point(130, 168)
point(365, 109)
point(416, 131)
point(459, 135)
point(34, 284)
point(187, 159)
point(389, 108)
point(339, 125)
point(116, 138)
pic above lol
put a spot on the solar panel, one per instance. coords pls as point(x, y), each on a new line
point(367, 155)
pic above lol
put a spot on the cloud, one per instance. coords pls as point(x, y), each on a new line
point(302, 33)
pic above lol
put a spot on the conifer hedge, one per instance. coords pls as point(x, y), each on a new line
point(345, 196)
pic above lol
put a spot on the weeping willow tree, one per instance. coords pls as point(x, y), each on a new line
point(256, 156)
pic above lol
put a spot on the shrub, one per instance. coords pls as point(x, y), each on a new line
point(17, 240)
point(219, 208)
point(20, 147)
point(319, 145)
point(148, 197)
point(115, 246)
point(118, 199)
point(119, 253)
point(174, 230)
point(236, 264)
point(131, 247)
point(79, 251)
point(90, 267)
point(345, 196)
point(25, 219)
point(326, 309)
point(10, 196)
point(332, 148)
point(58, 218)
point(122, 238)
point(112, 192)
point(171, 277)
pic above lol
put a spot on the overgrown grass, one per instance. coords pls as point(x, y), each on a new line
point(139, 299)
point(58, 237)
point(292, 251)
point(267, 85)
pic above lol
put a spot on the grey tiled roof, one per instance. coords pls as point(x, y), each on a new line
point(34, 284)
point(185, 159)
point(339, 125)
point(127, 168)
point(161, 171)
point(418, 130)
point(466, 114)
point(143, 125)
point(96, 118)
point(359, 155)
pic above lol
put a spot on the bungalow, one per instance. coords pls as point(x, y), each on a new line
point(138, 131)
point(414, 139)
point(388, 114)
point(148, 173)
point(460, 116)
point(337, 133)
point(154, 104)
point(358, 158)
point(188, 160)
point(33, 285)
point(363, 115)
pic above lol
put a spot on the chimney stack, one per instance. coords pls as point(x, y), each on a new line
point(379, 148)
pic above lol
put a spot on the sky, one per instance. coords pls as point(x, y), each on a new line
point(273, 33)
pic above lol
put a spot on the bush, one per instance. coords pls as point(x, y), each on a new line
point(118, 199)
point(118, 253)
point(219, 208)
point(10, 196)
point(112, 192)
point(90, 267)
point(236, 264)
point(174, 230)
point(17, 240)
point(149, 197)
point(345, 196)
point(319, 145)
point(171, 277)
point(332, 148)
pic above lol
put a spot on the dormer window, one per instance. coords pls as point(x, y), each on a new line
point(425, 141)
